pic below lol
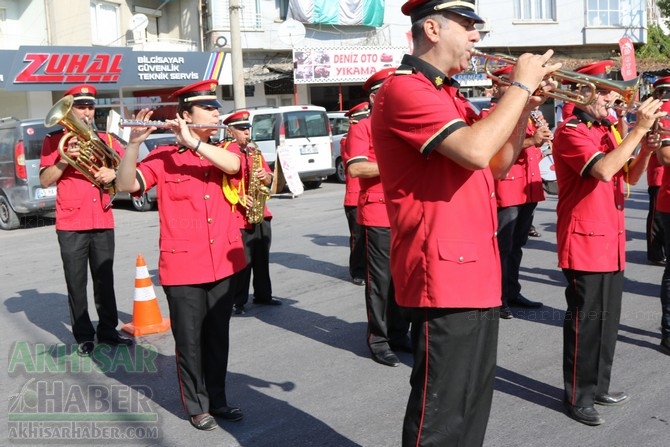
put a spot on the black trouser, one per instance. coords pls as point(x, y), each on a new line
point(386, 324)
point(514, 223)
point(665, 282)
point(357, 267)
point(452, 378)
point(200, 317)
point(589, 333)
point(257, 242)
point(655, 229)
point(78, 250)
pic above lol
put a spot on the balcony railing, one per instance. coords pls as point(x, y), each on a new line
point(162, 44)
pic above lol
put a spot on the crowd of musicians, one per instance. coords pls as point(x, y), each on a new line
point(439, 199)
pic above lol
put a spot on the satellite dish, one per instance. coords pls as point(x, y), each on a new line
point(291, 32)
point(138, 22)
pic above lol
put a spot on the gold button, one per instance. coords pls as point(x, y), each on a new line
point(206, 197)
point(172, 251)
point(460, 259)
point(209, 220)
point(493, 194)
point(211, 241)
point(206, 174)
point(178, 180)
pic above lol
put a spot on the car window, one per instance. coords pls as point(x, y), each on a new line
point(339, 126)
point(306, 123)
point(34, 135)
point(262, 127)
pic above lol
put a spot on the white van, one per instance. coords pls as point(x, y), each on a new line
point(304, 130)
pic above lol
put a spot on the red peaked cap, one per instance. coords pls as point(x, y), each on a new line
point(376, 80)
point(600, 69)
point(503, 72)
point(358, 110)
point(201, 93)
point(84, 94)
point(662, 82)
point(418, 9)
point(238, 119)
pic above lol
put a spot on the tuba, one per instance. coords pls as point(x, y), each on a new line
point(258, 192)
point(94, 153)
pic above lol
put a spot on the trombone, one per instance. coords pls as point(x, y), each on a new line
point(626, 89)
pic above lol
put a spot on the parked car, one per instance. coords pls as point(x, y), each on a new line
point(339, 125)
point(21, 194)
point(304, 131)
point(147, 201)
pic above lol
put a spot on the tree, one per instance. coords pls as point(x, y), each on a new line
point(657, 47)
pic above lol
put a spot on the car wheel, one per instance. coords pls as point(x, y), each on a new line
point(550, 187)
point(312, 184)
point(339, 170)
point(142, 203)
point(8, 218)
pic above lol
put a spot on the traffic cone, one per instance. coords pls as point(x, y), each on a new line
point(147, 317)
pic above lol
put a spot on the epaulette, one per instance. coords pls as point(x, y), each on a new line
point(404, 70)
point(573, 123)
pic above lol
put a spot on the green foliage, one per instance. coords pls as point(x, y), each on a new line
point(658, 44)
point(664, 7)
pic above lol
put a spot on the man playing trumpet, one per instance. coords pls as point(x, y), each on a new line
point(592, 165)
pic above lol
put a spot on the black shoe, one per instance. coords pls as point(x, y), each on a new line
point(232, 414)
point(387, 358)
point(85, 349)
point(522, 301)
point(506, 312)
point(585, 415)
point(359, 281)
point(665, 345)
point(239, 310)
point(270, 302)
point(660, 262)
point(116, 340)
point(404, 345)
point(611, 399)
point(203, 421)
point(533, 232)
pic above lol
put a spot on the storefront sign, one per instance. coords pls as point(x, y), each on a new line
point(472, 79)
point(50, 68)
point(342, 64)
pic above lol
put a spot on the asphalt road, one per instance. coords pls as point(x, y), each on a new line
point(302, 372)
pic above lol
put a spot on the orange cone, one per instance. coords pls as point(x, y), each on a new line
point(147, 317)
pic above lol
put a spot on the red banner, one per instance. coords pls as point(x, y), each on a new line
point(628, 66)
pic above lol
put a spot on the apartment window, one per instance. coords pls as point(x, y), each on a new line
point(250, 16)
point(534, 10)
point(3, 20)
point(605, 12)
point(105, 29)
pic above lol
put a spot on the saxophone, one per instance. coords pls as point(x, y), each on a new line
point(258, 192)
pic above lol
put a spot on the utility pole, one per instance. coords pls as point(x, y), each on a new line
point(236, 54)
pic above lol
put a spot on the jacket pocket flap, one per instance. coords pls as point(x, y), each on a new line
point(589, 228)
point(457, 251)
point(175, 245)
point(375, 197)
point(176, 178)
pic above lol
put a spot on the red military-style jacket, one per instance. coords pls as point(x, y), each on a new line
point(444, 250)
point(200, 240)
point(79, 202)
point(352, 187)
point(372, 210)
point(590, 228)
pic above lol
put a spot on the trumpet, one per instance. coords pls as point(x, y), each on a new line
point(163, 124)
point(626, 89)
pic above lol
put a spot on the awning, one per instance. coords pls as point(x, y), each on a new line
point(257, 74)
